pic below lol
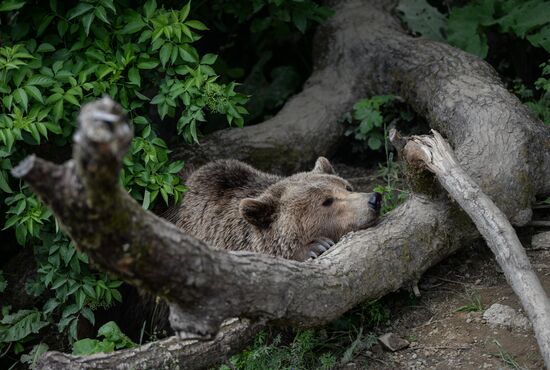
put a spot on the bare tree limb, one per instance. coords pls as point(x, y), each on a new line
point(436, 155)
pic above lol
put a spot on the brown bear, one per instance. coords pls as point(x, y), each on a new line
point(231, 205)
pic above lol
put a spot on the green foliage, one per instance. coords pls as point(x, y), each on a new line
point(56, 56)
point(3, 282)
point(114, 338)
point(273, 354)
point(277, 13)
point(474, 304)
point(326, 348)
point(375, 116)
point(268, 94)
point(506, 357)
point(368, 112)
point(542, 106)
point(423, 19)
point(19, 325)
point(467, 26)
point(32, 357)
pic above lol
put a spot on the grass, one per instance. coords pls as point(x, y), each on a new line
point(506, 357)
point(475, 304)
point(331, 346)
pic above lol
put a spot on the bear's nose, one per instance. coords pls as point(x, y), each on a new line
point(375, 201)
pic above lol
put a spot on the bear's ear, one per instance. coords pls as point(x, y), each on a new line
point(258, 211)
point(322, 165)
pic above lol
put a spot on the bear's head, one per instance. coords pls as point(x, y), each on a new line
point(310, 205)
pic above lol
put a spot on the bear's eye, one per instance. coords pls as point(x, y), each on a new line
point(328, 202)
point(349, 188)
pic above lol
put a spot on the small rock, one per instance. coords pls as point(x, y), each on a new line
point(541, 241)
point(468, 320)
point(377, 349)
point(392, 342)
point(414, 356)
point(502, 315)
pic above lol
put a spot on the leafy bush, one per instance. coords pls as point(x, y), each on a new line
point(371, 123)
point(268, 353)
point(56, 56)
point(330, 347)
point(541, 106)
point(467, 26)
point(113, 338)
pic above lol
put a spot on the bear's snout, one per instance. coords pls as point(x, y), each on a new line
point(375, 201)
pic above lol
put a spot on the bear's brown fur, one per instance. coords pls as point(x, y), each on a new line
point(233, 206)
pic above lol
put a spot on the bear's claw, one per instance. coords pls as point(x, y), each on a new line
point(318, 247)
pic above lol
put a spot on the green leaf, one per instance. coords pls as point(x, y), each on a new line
point(4, 185)
point(524, 17)
point(146, 199)
point(184, 12)
point(209, 59)
point(79, 10)
point(37, 351)
point(423, 19)
point(87, 22)
point(137, 24)
point(101, 14)
point(21, 97)
point(87, 346)
point(62, 27)
point(196, 25)
point(149, 8)
point(541, 38)
point(40, 80)
point(89, 290)
point(374, 143)
point(34, 93)
point(9, 5)
point(164, 54)
point(299, 18)
point(80, 298)
point(147, 65)
point(45, 47)
point(133, 76)
point(466, 27)
point(88, 314)
point(21, 324)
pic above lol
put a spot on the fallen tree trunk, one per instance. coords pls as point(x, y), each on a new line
point(435, 154)
point(169, 353)
point(496, 139)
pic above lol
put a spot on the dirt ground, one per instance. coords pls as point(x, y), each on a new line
point(443, 337)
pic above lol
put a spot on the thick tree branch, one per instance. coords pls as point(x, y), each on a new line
point(436, 154)
point(169, 353)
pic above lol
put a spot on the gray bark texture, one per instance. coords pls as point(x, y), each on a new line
point(361, 50)
point(435, 154)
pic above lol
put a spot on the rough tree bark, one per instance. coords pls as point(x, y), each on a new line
point(496, 139)
point(435, 154)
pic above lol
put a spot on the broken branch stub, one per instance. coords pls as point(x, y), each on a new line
point(436, 155)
